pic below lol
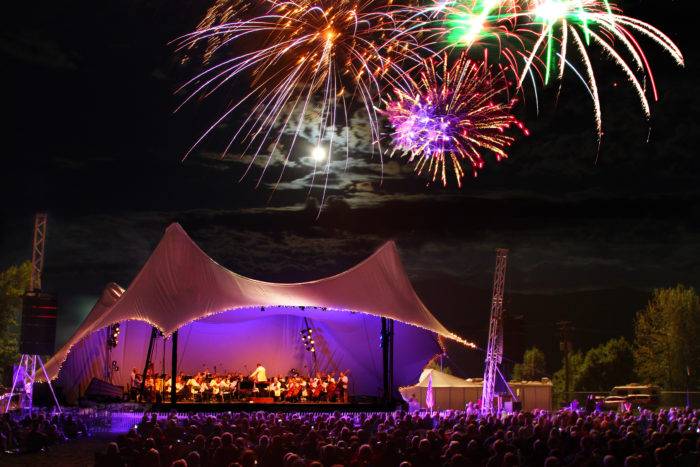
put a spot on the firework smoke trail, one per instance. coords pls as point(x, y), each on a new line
point(450, 115)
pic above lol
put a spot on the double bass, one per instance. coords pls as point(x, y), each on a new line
point(316, 393)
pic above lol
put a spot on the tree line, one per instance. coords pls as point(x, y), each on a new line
point(665, 350)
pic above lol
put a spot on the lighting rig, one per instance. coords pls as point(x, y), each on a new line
point(308, 340)
point(113, 338)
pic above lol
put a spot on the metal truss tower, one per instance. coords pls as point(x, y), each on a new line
point(28, 367)
point(494, 350)
point(38, 251)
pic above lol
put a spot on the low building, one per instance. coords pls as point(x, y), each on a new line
point(452, 392)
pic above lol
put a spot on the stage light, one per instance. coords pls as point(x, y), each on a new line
point(318, 154)
point(113, 338)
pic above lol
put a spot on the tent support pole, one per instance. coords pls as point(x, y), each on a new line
point(148, 361)
point(391, 360)
point(173, 377)
point(385, 361)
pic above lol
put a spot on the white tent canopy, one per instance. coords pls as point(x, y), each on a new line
point(442, 380)
point(180, 284)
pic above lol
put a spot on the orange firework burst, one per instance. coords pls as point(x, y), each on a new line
point(220, 12)
point(299, 53)
point(452, 113)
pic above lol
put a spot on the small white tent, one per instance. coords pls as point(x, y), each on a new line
point(449, 392)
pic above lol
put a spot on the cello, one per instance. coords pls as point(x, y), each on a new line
point(332, 386)
point(318, 388)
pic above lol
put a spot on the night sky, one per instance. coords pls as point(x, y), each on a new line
point(91, 137)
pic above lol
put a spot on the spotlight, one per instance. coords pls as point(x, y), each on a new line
point(113, 338)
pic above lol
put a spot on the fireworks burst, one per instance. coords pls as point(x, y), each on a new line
point(296, 53)
point(535, 37)
point(594, 21)
point(314, 62)
point(454, 112)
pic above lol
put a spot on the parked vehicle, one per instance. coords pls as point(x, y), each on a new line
point(644, 396)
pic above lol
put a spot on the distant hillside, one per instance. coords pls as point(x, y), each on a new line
point(597, 315)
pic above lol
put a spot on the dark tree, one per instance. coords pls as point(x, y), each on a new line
point(533, 366)
point(667, 338)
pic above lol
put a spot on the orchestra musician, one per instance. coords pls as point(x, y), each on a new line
point(330, 387)
point(275, 388)
point(134, 383)
point(259, 375)
point(343, 382)
point(259, 378)
point(226, 387)
point(193, 386)
point(179, 385)
point(215, 385)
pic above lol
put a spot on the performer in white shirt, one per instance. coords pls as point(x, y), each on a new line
point(203, 388)
point(275, 388)
point(343, 382)
point(259, 374)
point(215, 385)
point(134, 383)
point(194, 386)
point(178, 384)
point(132, 378)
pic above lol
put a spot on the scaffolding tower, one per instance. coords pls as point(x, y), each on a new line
point(494, 350)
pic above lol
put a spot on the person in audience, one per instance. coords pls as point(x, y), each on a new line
point(577, 438)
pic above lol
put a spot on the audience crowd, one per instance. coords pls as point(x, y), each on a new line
point(564, 438)
point(452, 438)
point(37, 432)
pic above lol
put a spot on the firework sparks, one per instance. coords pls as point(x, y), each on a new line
point(220, 12)
point(453, 113)
point(539, 35)
point(583, 22)
point(318, 61)
point(296, 53)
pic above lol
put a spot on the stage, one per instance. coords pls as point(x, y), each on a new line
point(188, 320)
